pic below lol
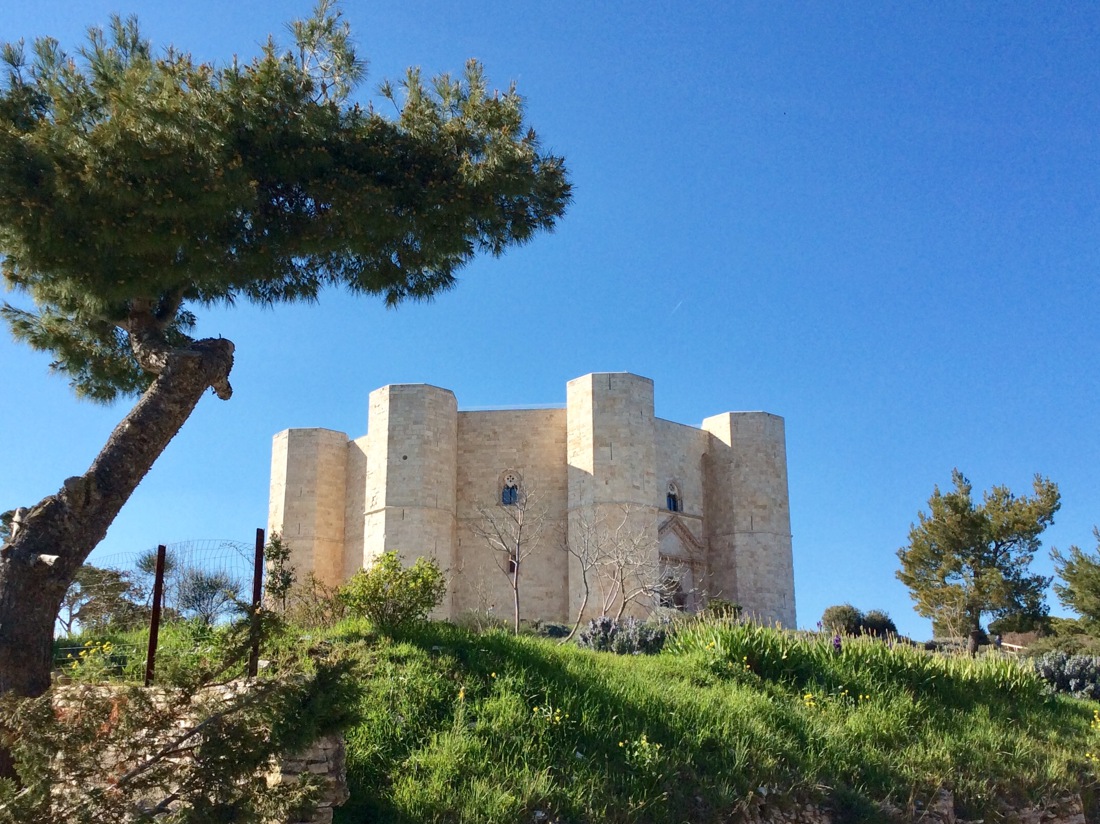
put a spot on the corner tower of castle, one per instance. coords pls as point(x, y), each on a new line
point(748, 513)
point(710, 504)
point(612, 462)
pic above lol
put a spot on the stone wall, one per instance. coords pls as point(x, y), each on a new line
point(748, 514)
point(328, 761)
point(613, 463)
point(531, 444)
point(411, 493)
point(325, 759)
point(355, 507)
point(308, 499)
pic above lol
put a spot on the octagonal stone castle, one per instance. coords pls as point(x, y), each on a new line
point(708, 507)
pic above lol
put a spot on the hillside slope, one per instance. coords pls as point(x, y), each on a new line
point(465, 727)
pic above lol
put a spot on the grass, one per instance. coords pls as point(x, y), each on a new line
point(491, 728)
point(183, 647)
point(456, 726)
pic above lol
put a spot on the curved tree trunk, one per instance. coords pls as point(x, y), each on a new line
point(580, 610)
point(56, 535)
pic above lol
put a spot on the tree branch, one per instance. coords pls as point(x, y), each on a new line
point(145, 326)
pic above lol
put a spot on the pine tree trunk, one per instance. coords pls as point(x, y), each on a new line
point(56, 536)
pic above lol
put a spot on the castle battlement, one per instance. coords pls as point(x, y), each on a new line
point(705, 509)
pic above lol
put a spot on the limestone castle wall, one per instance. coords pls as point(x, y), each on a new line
point(353, 551)
point(612, 464)
point(681, 451)
point(411, 479)
point(531, 444)
point(705, 507)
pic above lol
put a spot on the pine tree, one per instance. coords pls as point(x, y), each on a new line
point(137, 187)
point(965, 560)
point(1080, 572)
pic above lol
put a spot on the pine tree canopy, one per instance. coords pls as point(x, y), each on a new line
point(965, 559)
point(136, 187)
point(1080, 575)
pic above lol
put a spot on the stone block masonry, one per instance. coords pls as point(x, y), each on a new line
point(325, 760)
point(708, 505)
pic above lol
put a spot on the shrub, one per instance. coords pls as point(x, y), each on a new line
point(723, 609)
point(313, 603)
point(879, 624)
point(601, 631)
point(393, 596)
point(629, 637)
point(842, 618)
point(1076, 675)
point(845, 619)
point(1070, 644)
point(549, 629)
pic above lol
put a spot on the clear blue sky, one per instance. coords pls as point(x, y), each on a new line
point(880, 221)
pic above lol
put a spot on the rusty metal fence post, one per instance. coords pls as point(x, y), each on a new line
point(257, 604)
point(154, 620)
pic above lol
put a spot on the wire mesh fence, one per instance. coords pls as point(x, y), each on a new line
point(107, 610)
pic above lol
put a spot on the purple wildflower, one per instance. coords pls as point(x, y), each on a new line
point(836, 642)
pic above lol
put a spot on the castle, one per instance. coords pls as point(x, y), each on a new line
point(706, 509)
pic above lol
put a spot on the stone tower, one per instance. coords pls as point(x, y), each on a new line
point(308, 499)
point(748, 514)
point(410, 496)
point(611, 458)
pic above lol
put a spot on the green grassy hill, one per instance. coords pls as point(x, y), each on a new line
point(465, 727)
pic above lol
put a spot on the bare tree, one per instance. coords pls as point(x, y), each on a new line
point(617, 556)
point(630, 571)
point(511, 530)
point(482, 615)
point(584, 543)
point(950, 619)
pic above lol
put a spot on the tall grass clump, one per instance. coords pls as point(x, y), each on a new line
point(861, 665)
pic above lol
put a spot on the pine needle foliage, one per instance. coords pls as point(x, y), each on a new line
point(137, 185)
point(1079, 585)
point(965, 559)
